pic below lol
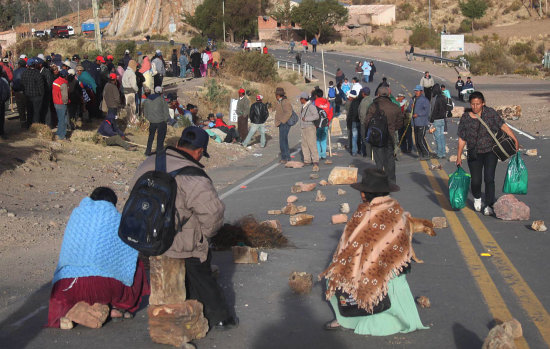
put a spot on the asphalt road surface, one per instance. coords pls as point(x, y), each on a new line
point(469, 293)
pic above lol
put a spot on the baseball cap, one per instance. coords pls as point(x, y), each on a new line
point(38, 60)
point(67, 63)
point(30, 61)
point(41, 56)
point(64, 73)
point(219, 115)
point(197, 137)
point(76, 57)
point(400, 95)
point(241, 90)
point(384, 91)
point(259, 97)
point(110, 57)
point(23, 56)
point(100, 58)
point(71, 72)
point(418, 88)
point(304, 95)
point(112, 76)
point(127, 51)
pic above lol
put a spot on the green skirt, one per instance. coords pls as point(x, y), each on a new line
point(402, 317)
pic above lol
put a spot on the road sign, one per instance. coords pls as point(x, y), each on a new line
point(172, 27)
point(452, 43)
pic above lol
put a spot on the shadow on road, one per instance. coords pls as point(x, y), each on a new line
point(23, 325)
point(422, 181)
point(464, 338)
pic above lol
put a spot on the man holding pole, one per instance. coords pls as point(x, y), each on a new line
point(322, 132)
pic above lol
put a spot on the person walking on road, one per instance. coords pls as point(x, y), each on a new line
point(308, 115)
point(482, 162)
point(459, 86)
point(427, 83)
point(438, 115)
point(243, 110)
point(384, 155)
point(420, 108)
point(156, 112)
point(200, 204)
point(60, 96)
point(314, 43)
point(283, 112)
point(258, 117)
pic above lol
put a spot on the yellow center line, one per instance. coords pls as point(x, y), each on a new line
point(497, 307)
point(526, 297)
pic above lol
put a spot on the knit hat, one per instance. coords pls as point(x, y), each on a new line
point(383, 91)
point(100, 58)
point(64, 73)
point(219, 115)
point(304, 95)
point(366, 90)
point(112, 76)
point(280, 91)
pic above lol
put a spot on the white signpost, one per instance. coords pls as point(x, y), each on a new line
point(233, 110)
point(452, 43)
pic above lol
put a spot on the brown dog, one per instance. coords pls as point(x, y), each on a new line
point(419, 225)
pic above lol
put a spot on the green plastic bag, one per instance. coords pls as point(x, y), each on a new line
point(516, 176)
point(459, 186)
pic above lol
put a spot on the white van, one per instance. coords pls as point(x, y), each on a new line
point(71, 30)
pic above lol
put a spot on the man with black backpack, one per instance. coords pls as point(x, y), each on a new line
point(199, 213)
point(383, 118)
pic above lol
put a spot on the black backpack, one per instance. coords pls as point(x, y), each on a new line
point(322, 121)
point(148, 222)
point(377, 128)
point(449, 105)
point(4, 90)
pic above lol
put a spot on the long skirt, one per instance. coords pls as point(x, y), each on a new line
point(97, 289)
point(402, 317)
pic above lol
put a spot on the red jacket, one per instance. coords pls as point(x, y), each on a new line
point(325, 105)
point(7, 70)
point(57, 89)
point(220, 122)
point(265, 50)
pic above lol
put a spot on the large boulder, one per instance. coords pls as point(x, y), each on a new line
point(177, 324)
point(167, 280)
point(508, 208)
point(343, 175)
point(509, 112)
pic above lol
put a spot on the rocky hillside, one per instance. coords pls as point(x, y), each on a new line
point(140, 17)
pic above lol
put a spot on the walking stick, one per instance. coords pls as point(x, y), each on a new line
point(325, 85)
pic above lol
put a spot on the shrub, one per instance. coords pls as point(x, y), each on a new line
point(525, 70)
point(375, 41)
point(388, 40)
point(404, 11)
point(198, 41)
point(293, 78)
point(123, 46)
point(352, 42)
point(515, 6)
point(540, 49)
point(146, 48)
point(465, 26)
point(492, 59)
point(159, 37)
point(253, 66)
point(524, 51)
point(423, 37)
point(215, 93)
point(455, 11)
point(24, 46)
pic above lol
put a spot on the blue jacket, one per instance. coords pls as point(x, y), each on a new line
point(17, 86)
point(108, 127)
point(314, 41)
point(422, 108)
point(88, 81)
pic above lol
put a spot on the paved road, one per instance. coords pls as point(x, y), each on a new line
point(468, 292)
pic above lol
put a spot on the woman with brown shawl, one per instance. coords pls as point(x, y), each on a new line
point(366, 284)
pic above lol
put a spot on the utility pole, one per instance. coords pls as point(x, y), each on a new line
point(540, 8)
point(113, 11)
point(30, 25)
point(95, 9)
point(78, 7)
point(223, 19)
point(430, 13)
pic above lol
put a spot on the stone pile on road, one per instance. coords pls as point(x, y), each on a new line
point(344, 207)
point(320, 197)
point(424, 302)
point(502, 336)
point(291, 199)
point(167, 280)
point(300, 282)
point(532, 152)
point(508, 208)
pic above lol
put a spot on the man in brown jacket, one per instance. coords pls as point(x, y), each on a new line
point(243, 109)
point(197, 200)
point(283, 112)
point(383, 156)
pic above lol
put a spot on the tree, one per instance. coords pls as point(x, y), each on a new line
point(283, 15)
point(318, 18)
point(473, 9)
point(207, 19)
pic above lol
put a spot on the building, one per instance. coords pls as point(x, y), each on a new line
point(374, 15)
point(7, 39)
point(270, 29)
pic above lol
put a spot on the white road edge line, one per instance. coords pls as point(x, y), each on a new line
point(520, 132)
point(253, 178)
point(36, 311)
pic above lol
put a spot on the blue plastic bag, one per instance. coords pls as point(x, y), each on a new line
point(459, 186)
point(516, 176)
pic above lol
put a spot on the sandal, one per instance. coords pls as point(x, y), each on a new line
point(329, 326)
point(124, 315)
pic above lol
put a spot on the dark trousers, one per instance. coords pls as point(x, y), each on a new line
point(485, 164)
point(314, 49)
point(33, 109)
point(21, 102)
point(2, 116)
point(157, 80)
point(428, 92)
point(196, 72)
point(202, 286)
point(420, 138)
point(160, 129)
point(383, 157)
point(242, 127)
point(407, 143)
point(283, 141)
point(46, 110)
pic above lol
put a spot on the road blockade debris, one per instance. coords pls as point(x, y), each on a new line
point(343, 175)
point(339, 218)
point(341, 192)
point(502, 336)
point(344, 207)
point(301, 219)
point(291, 199)
point(245, 255)
point(92, 316)
point(538, 226)
point(439, 222)
point(177, 324)
point(320, 197)
point(423, 301)
point(532, 152)
point(300, 282)
point(294, 164)
point(509, 208)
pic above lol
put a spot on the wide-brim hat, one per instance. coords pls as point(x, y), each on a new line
point(375, 181)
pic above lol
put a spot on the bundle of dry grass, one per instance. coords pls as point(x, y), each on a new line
point(42, 131)
point(248, 231)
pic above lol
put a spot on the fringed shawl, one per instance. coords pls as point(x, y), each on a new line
point(375, 245)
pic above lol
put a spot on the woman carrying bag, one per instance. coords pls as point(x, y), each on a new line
point(479, 128)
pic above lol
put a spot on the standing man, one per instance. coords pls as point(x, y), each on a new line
point(438, 115)
point(308, 115)
point(366, 67)
point(291, 45)
point(314, 43)
point(384, 156)
point(198, 201)
point(19, 92)
point(372, 71)
point(60, 96)
point(322, 132)
point(243, 109)
point(126, 58)
point(48, 78)
point(352, 122)
point(459, 86)
point(258, 117)
point(283, 112)
point(183, 64)
point(420, 107)
point(158, 62)
point(130, 88)
point(4, 97)
point(427, 82)
point(34, 89)
point(406, 141)
point(366, 101)
point(156, 112)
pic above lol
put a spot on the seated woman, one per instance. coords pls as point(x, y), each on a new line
point(95, 266)
point(369, 263)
